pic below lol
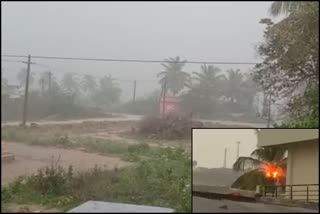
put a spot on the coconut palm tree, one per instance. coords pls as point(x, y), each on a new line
point(208, 82)
point(284, 7)
point(44, 80)
point(108, 92)
point(261, 161)
point(208, 78)
point(70, 83)
point(249, 90)
point(233, 85)
point(173, 75)
point(88, 83)
point(274, 154)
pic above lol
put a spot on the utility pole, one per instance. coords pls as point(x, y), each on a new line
point(225, 158)
point(134, 91)
point(238, 143)
point(49, 78)
point(26, 93)
point(42, 85)
point(164, 96)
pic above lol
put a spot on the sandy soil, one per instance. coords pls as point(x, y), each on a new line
point(29, 158)
point(30, 208)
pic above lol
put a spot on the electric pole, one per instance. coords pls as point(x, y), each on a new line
point(134, 91)
point(225, 158)
point(238, 143)
point(164, 96)
point(26, 93)
point(49, 78)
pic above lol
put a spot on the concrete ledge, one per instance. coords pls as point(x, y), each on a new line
point(289, 203)
point(221, 196)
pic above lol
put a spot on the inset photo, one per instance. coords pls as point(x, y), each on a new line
point(255, 170)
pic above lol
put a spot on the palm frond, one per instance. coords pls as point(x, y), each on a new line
point(242, 161)
point(162, 73)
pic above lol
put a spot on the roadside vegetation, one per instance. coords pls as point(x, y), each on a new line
point(163, 180)
point(160, 175)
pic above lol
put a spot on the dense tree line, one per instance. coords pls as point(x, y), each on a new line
point(70, 97)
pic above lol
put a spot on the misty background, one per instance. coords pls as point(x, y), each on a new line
point(208, 146)
point(196, 31)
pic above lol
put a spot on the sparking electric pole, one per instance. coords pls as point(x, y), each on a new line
point(238, 143)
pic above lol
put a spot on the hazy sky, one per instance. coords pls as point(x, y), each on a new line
point(209, 144)
point(201, 31)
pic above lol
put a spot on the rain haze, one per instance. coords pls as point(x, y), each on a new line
point(196, 31)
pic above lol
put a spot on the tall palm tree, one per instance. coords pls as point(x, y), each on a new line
point(249, 89)
point(208, 75)
point(108, 92)
point(70, 83)
point(173, 75)
point(88, 83)
point(44, 80)
point(284, 7)
point(274, 154)
point(262, 161)
point(233, 84)
point(209, 81)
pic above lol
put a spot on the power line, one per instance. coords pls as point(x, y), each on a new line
point(131, 60)
point(9, 60)
point(15, 56)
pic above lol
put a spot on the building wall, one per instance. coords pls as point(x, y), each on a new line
point(269, 137)
point(303, 166)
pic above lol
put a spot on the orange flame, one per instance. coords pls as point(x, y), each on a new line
point(272, 170)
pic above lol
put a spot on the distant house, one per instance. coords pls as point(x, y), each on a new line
point(303, 155)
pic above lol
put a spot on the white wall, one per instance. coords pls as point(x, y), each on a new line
point(303, 165)
point(268, 137)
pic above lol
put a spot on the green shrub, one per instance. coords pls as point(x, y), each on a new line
point(141, 148)
point(163, 180)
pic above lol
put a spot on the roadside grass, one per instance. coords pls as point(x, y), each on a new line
point(163, 180)
point(122, 149)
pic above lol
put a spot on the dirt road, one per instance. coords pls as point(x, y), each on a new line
point(129, 117)
point(46, 122)
point(29, 158)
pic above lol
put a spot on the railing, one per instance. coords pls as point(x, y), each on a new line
point(289, 192)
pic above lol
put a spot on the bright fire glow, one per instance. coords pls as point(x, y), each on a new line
point(272, 170)
point(275, 174)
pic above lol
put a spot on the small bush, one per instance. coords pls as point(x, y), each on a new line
point(141, 148)
point(171, 127)
point(52, 180)
point(5, 194)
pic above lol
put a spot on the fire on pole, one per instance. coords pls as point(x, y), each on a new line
point(169, 105)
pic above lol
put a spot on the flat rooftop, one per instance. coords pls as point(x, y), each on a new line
point(99, 206)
